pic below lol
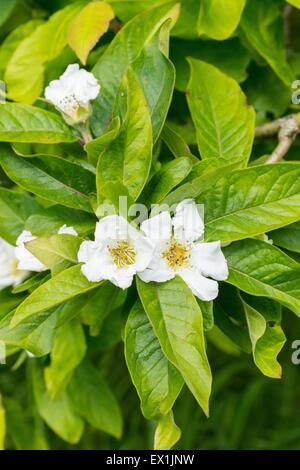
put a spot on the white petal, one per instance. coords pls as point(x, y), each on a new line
point(67, 231)
point(87, 251)
point(158, 228)
point(114, 227)
point(92, 270)
point(188, 225)
point(26, 260)
point(144, 252)
point(209, 260)
point(203, 288)
point(122, 278)
point(158, 270)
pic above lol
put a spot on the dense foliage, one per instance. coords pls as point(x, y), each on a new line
point(189, 106)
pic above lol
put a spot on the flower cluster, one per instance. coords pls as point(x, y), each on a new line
point(163, 248)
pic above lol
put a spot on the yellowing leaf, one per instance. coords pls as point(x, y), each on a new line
point(87, 28)
point(2, 425)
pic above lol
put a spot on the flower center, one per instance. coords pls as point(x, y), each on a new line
point(69, 105)
point(176, 255)
point(123, 254)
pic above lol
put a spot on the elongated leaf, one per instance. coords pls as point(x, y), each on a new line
point(7, 8)
point(25, 72)
point(69, 348)
point(153, 62)
point(58, 414)
point(224, 122)
point(175, 142)
point(2, 425)
point(128, 158)
point(219, 18)
point(122, 52)
point(252, 201)
point(55, 249)
point(167, 433)
point(96, 147)
point(25, 123)
point(267, 341)
point(260, 269)
point(15, 208)
point(170, 176)
point(62, 287)
point(177, 321)
point(263, 25)
point(93, 399)
point(88, 26)
point(52, 178)
point(157, 381)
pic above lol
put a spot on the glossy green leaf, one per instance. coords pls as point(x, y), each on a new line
point(287, 237)
point(128, 158)
point(55, 249)
point(167, 433)
point(224, 122)
point(62, 287)
point(156, 380)
point(252, 201)
point(175, 142)
point(93, 399)
point(7, 8)
point(58, 414)
point(25, 72)
point(52, 178)
point(25, 123)
point(177, 321)
point(15, 208)
point(260, 269)
point(120, 54)
point(96, 147)
point(263, 26)
point(219, 18)
point(2, 425)
point(69, 348)
point(88, 26)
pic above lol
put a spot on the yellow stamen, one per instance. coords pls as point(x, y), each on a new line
point(176, 255)
point(123, 254)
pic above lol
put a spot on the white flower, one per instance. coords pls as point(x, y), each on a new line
point(65, 230)
point(178, 251)
point(117, 254)
point(72, 93)
point(9, 275)
point(27, 260)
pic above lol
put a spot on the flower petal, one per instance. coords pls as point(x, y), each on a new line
point(67, 230)
point(144, 252)
point(115, 227)
point(26, 260)
point(202, 287)
point(158, 270)
point(87, 251)
point(209, 260)
point(158, 228)
point(188, 225)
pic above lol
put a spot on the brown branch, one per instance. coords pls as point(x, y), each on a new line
point(289, 129)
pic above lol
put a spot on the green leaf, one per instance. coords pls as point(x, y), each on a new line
point(55, 249)
point(252, 201)
point(96, 147)
point(167, 178)
point(128, 158)
point(7, 8)
point(12, 41)
point(295, 3)
point(287, 237)
point(217, 53)
point(218, 19)
point(267, 341)
point(175, 142)
point(177, 321)
point(15, 208)
point(154, 62)
point(120, 54)
point(167, 433)
point(62, 287)
point(68, 350)
point(25, 123)
point(58, 414)
point(25, 71)
point(156, 380)
point(224, 122)
point(52, 178)
point(87, 28)
point(263, 26)
point(93, 399)
point(260, 269)
point(50, 220)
